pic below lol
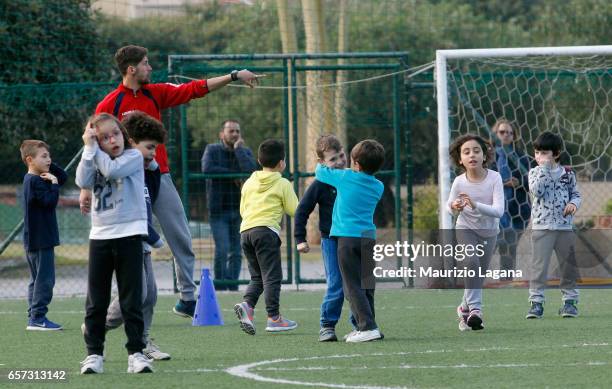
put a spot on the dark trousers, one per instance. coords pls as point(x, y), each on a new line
point(124, 256)
point(261, 247)
point(350, 254)
point(42, 281)
point(225, 229)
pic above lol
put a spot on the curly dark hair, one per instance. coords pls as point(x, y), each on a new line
point(141, 126)
point(455, 149)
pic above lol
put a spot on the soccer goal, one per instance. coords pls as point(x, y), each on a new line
point(566, 90)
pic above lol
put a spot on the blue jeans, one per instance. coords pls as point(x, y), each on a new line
point(42, 281)
point(228, 255)
point(331, 308)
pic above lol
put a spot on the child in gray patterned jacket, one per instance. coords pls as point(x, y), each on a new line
point(555, 199)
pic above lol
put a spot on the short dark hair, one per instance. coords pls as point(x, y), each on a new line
point(326, 143)
point(129, 56)
point(141, 126)
point(455, 149)
point(29, 148)
point(105, 117)
point(271, 152)
point(547, 141)
point(369, 154)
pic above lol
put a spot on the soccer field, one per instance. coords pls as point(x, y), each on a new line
point(422, 347)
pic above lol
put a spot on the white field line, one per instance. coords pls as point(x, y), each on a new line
point(248, 370)
point(406, 366)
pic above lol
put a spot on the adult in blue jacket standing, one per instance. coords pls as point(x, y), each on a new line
point(228, 156)
point(513, 166)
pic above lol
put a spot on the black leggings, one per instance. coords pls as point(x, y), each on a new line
point(125, 257)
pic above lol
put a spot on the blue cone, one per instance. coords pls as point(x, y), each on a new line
point(207, 312)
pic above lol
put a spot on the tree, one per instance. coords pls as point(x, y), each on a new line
point(43, 43)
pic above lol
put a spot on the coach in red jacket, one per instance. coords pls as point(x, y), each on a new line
point(135, 93)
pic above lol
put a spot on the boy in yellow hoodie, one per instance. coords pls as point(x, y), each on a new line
point(265, 197)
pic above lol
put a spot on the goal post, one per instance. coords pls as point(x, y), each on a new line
point(567, 90)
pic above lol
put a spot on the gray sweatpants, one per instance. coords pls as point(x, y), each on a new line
point(472, 294)
point(168, 209)
point(114, 317)
point(544, 242)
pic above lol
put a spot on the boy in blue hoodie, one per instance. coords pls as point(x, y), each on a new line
point(358, 192)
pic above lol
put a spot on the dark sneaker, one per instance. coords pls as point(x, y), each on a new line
point(327, 334)
point(569, 309)
point(536, 311)
point(43, 324)
point(474, 320)
point(184, 308)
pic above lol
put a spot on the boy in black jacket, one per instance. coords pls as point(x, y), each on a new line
point(330, 153)
point(40, 232)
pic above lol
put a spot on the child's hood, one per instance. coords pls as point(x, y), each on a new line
point(265, 180)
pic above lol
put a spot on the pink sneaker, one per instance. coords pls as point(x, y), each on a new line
point(245, 316)
point(463, 316)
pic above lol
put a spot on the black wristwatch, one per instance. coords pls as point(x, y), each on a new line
point(234, 75)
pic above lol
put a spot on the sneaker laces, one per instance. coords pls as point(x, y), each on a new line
point(152, 346)
point(140, 358)
point(90, 359)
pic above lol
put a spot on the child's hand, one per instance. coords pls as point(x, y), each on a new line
point(513, 182)
point(570, 209)
point(544, 161)
point(89, 135)
point(85, 201)
point(467, 200)
point(457, 205)
point(49, 177)
point(303, 247)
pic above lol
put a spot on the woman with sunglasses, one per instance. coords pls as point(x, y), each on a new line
point(513, 165)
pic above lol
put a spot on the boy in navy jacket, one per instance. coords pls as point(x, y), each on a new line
point(331, 154)
point(40, 233)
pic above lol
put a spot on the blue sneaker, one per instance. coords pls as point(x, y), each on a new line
point(184, 308)
point(280, 324)
point(43, 324)
point(536, 311)
point(569, 309)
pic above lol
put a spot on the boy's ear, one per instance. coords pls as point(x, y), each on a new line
point(29, 159)
point(132, 142)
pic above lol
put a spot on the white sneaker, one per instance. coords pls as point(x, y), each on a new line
point(153, 352)
point(345, 337)
point(364, 336)
point(138, 363)
point(93, 364)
